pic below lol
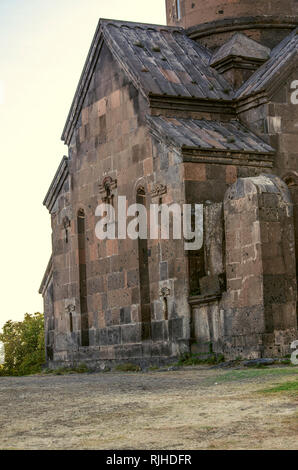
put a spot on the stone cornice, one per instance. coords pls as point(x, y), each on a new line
point(197, 300)
point(251, 101)
point(230, 108)
point(228, 157)
point(166, 102)
point(262, 97)
point(241, 24)
point(56, 185)
point(235, 62)
point(47, 277)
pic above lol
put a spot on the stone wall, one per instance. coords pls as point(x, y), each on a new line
point(195, 12)
point(275, 122)
point(122, 299)
point(256, 315)
point(112, 154)
point(213, 22)
point(49, 324)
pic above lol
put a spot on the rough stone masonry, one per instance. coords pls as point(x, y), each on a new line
point(202, 111)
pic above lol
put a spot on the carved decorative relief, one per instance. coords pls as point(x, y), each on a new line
point(291, 179)
point(107, 189)
point(165, 292)
point(70, 308)
point(66, 222)
point(158, 190)
point(66, 225)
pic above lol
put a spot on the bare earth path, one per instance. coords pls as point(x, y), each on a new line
point(195, 408)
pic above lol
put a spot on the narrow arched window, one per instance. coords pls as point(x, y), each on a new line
point(144, 275)
point(83, 277)
point(70, 322)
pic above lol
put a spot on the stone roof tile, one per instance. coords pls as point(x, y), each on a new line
point(281, 56)
point(164, 60)
point(209, 135)
point(241, 46)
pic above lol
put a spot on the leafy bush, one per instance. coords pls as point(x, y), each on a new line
point(197, 359)
point(1, 353)
point(24, 348)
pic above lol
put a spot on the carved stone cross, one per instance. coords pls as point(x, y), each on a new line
point(107, 190)
point(66, 225)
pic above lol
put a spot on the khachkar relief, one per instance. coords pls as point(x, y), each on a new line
point(70, 308)
point(66, 226)
point(164, 294)
point(158, 190)
point(107, 189)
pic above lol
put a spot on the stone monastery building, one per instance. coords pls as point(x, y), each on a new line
point(201, 111)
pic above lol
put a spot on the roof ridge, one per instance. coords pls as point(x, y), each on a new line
point(179, 67)
point(266, 72)
point(139, 25)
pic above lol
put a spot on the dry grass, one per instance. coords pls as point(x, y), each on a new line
point(197, 408)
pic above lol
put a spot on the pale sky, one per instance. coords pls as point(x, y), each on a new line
point(44, 44)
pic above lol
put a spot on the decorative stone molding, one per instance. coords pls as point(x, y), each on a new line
point(197, 300)
point(165, 292)
point(48, 276)
point(291, 179)
point(70, 308)
point(158, 190)
point(66, 222)
point(141, 191)
point(107, 189)
point(107, 182)
point(56, 185)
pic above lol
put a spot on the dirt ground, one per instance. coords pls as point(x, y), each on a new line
point(193, 408)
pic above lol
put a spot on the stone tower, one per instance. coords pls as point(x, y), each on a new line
point(214, 21)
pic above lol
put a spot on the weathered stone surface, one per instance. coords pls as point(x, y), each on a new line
point(159, 126)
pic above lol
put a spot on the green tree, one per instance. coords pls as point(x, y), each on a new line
point(1, 353)
point(23, 345)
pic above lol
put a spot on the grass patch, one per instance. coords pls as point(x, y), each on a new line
point(254, 373)
point(127, 367)
point(285, 387)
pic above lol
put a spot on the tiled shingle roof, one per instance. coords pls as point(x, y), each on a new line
point(281, 56)
point(209, 135)
point(163, 60)
point(57, 184)
point(241, 46)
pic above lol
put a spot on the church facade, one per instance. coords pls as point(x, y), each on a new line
point(202, 111)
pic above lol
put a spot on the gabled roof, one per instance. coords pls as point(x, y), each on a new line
point(281, 59)
point(241, 45)
point(164, 60)
point(56, 185)
point(229, 136)
point(159, 60)
point(46, 277)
